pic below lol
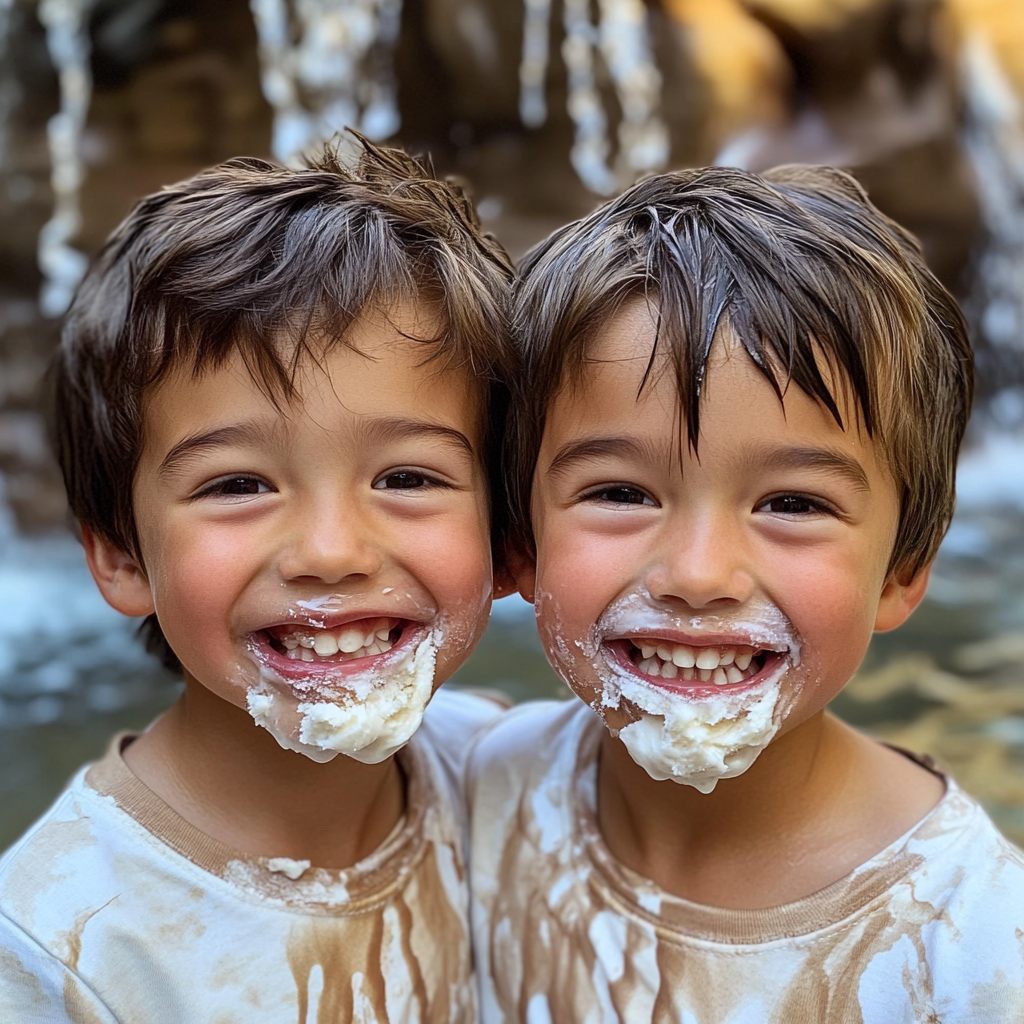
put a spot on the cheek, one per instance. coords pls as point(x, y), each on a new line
point(452, 561)
point(582, 572)
point(197, 578)
point(832, 606)
point(578, 575)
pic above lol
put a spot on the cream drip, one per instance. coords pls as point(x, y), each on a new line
point(693, 739)
point(372, 716)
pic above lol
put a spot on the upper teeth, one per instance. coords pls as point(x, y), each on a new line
point(358, 640)
point(718, 665)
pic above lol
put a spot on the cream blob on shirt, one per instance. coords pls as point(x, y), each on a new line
point(930, 929)
point(115, 909)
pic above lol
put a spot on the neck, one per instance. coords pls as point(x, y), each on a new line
point(229, 778)
point(819, 801)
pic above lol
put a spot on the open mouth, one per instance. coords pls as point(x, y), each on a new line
point(351, 641)
point(668, 661)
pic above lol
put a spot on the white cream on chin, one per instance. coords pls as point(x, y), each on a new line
point(369, 719)
point(696, 742)
point(693, 739)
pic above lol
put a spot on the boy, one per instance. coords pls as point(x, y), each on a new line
point(274, 420)
point(733, 458)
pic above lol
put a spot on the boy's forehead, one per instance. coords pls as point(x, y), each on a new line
point(384, 366)
point(633, 352)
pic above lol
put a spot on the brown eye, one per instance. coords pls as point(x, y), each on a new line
point(620, 494)
point(241, 485)
point(791, 504)
point(402, 481)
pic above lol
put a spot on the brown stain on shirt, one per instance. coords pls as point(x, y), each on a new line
point(567, 933)
point(400, 962)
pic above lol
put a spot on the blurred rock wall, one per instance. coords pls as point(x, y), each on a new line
point(874, 85)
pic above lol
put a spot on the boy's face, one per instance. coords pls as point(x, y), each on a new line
point(671, 583)
point(319, 543)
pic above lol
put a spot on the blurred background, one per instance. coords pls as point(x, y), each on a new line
point(542, 107)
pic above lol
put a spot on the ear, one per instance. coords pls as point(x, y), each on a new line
point(119, 576)
point(900, 596)
point(522, 567)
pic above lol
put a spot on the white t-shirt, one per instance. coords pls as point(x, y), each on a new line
point(113, 908)
point(930, 929)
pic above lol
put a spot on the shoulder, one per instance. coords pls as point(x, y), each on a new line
point(454, 718)
point(961, 907)
point(35, 985)
point(62, 868)
point(66, 832)
point(969, 872)
point(530, 734)
point(533, 747)
point(452, 721)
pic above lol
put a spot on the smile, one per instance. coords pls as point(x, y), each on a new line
point(662, 660)
point(351, 641)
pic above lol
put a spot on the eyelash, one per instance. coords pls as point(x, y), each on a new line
point(817, 506)
point(426, 481)
point(601, 494)
point(219, 488)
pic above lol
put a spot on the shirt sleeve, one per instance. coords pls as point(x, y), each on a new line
point(37, 988)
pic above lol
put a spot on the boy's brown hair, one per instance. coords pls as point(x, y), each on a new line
point(243, 255)
point(822, 290)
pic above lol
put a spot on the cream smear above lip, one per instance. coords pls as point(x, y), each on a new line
point(703, 709)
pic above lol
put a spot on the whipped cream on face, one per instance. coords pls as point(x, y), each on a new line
point(691, 738)
point(367, 716)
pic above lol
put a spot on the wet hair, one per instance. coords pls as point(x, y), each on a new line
point(274, 264)
point(822, 290)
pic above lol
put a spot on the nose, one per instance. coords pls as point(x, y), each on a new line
point(329, 541)
point(701, 560)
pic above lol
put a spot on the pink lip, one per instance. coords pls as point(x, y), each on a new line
point(619, 652)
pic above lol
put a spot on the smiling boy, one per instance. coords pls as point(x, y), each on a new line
point(733, 455)
point(275, 419)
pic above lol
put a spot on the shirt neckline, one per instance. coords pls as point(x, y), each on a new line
point(366, 883)
point(832, 906)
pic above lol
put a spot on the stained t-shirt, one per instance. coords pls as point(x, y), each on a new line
point(114, 908)
point(931, 929)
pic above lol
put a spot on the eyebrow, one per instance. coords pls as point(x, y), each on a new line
point(251, 432)
point(388, 429)
point(590, 449)
point(826, 460)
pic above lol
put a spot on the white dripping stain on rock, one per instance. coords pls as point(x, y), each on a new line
point(67, 39)
point(326, 66)
point(620, 39)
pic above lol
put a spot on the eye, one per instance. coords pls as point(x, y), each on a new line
point(405, 480)
point(794, 505)
point(619, 494)
point(240, 485)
